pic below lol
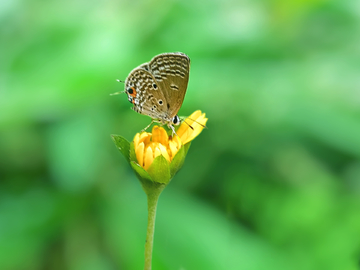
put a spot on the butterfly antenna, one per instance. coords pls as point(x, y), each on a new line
point(193, 121)
point(120, 92)
point(196, 122)
point(188, 124)
point(117, 93)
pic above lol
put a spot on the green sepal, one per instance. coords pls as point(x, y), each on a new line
point(186, 147)
point(140, 172)
point(179, 159)
point(159, 170)
point(123, 145)
point(132, 153)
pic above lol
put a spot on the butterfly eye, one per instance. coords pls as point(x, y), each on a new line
point(176, 120)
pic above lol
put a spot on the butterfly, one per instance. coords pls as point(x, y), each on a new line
point(157, 88)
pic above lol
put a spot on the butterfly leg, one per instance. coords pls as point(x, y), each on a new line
point(173, 130)
point(152, 121)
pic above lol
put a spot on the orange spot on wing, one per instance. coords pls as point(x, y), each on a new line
point(133, 93)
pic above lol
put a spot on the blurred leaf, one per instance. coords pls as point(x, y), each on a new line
point(123, 145)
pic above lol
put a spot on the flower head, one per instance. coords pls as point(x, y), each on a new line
point(156, 156)
point(148, 146)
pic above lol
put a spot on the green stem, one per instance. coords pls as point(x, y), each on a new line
point(153, 194)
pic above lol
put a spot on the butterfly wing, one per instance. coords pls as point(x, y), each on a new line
point(171, 72)
point(142, 90)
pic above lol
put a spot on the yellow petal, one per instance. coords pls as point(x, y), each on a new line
point(164, 152)
point(139, 152)
point(194, 116)
point(186, 135)
point(164, 137)
point(173, 149)
point(159, 135)
point(184, 127)
point(145, 137)
point(203, 119)
point(155, 133)
point(198, 126)
point(141, 137)
point(177, 141)
point(136, 139)
point(148, 158)
point(197, 121)
point(157, 152)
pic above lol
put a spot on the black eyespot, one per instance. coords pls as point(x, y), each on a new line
point(160, 102)
point(154, 85)
point(129, 90)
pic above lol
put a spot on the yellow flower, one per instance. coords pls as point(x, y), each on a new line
point(148, 146)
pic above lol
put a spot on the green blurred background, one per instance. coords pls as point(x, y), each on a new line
point(273, 183)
